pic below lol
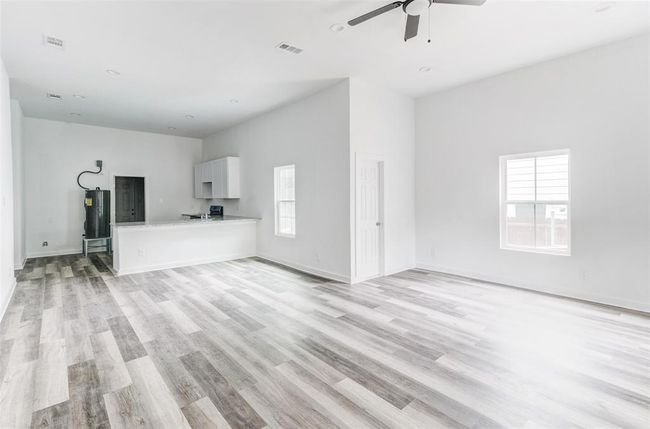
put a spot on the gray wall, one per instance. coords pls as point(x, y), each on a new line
point(382, 123)
point(594, 103)
point(18, 183)
point(7, 279)
point(313, 134)
point(56, 152)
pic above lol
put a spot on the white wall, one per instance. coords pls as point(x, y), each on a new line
point(7, 279)
point(594, 103)
point(383, 123)
point(56, 152)
point(19, 200)
point(313, 134)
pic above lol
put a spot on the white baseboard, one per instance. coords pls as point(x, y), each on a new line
point(178, 264)
point(356, 280)
point(58, 252)
point(310, 270)
point(20, 266)
point(5, 304)
point(598, 299)
point(399, 269)
point(388, 272)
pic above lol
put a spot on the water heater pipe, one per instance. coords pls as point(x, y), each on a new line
point(99, 164)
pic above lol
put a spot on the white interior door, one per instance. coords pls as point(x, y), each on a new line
point(369, 228)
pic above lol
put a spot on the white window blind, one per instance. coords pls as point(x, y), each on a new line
point(535, 202)
point(285, 200)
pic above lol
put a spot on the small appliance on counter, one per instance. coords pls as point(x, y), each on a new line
point(215, 211)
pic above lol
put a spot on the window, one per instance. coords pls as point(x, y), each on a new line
point(535, 202)
point(284, 179)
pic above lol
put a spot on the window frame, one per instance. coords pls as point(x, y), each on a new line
point(277, 201)
point(503, 203)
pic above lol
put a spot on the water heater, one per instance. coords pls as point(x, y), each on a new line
point(98, 213)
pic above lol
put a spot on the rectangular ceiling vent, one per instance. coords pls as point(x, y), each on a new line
point(53, 96)
point(53, 42)
point(289, 48)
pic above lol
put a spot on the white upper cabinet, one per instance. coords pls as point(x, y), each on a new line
point(217, 179)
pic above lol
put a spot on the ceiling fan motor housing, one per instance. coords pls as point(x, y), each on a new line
point(416, 7)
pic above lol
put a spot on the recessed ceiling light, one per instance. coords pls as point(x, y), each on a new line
point(171, 128)
point(113, 72)
point(425, 69)
point(189, 117)
point(603, 6)
point(337, 28)
point(75, 114)
point(79, 96)
point(234, 101)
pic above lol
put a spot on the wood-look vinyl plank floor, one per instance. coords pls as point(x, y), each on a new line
point(251, 344)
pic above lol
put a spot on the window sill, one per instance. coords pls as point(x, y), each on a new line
point(277, 234)
point(541, 251)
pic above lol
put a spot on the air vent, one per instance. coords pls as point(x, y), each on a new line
point(53, 96)
point(53, 42)
point(289, 48)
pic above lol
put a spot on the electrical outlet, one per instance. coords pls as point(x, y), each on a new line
point(44, 244)
point(433, 252)
point(140, 252)
point(583, 275)
point(317, 257)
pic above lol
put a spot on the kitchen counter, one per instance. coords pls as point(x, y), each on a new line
point(149, 246)
point(184, 222)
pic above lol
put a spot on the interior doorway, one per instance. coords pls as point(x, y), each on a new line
point(369, 217)
point(129, 199)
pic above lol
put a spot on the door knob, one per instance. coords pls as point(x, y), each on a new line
point(378, 223)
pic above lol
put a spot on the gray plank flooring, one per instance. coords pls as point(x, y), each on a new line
point(250, 344)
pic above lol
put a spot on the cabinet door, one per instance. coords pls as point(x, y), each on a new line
point(206, 172)
point(224, 178)
point(198, 179)
point(217, 170)
point(232, 177)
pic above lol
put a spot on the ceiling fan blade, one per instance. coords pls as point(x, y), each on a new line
point(465, 2)
point(376, 12)
point(411, 26)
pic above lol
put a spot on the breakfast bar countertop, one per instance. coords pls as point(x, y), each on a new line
point(185, 222)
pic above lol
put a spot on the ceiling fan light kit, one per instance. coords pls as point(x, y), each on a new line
point(413, 9)
point(416, 7)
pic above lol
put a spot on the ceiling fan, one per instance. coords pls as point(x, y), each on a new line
point(413, 9)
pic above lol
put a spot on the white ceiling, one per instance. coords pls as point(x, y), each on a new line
point(179, 58)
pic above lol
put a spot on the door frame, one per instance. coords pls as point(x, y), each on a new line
point(146, 193)
point(379, 159)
